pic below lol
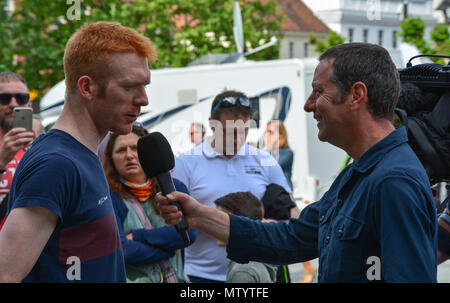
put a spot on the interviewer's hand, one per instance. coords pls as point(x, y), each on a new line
point(204, 218)
point(170, 212)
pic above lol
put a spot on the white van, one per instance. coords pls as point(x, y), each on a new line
point(278, 90)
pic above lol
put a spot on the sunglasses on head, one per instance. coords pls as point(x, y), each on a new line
point(231, 102)
point(21, 98)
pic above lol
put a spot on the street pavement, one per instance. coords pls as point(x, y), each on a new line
point(296, 271)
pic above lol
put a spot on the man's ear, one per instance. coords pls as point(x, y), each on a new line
point(87, 87)
point(358, 94)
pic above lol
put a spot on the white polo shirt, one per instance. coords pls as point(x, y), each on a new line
point(209, 176)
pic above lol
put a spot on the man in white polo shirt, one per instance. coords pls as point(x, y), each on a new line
point(223, 164)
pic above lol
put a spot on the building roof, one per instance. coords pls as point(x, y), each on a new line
point(301, 18)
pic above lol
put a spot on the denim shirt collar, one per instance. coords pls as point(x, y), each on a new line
point(374, 154)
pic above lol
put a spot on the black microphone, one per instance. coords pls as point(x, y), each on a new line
point(156, 158)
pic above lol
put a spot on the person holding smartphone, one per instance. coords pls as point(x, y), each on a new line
point(13, 140)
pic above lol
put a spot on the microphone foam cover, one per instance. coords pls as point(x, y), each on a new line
point(155, 154)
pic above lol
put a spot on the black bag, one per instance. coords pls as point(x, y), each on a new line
point(277, 203)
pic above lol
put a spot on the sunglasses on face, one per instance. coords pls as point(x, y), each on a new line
point(21, 98)
point(231, 102)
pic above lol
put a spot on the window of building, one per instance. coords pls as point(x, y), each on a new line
point(305, 49)
point(394, 39)
point(350, 35)
point(380, 37)
point(365, 35)
point(291, 49)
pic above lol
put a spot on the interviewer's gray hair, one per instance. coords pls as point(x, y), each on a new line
point(370, 64)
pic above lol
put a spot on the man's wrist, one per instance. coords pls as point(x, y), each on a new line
point(212, 221)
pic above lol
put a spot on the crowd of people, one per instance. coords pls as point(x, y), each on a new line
point(78, 192)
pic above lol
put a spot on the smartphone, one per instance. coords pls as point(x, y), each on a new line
point(23, 117)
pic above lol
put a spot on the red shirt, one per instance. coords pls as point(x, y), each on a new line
point(7, 177)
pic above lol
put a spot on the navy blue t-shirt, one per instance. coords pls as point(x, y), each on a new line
point(64, 176)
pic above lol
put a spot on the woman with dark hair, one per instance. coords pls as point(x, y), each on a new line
point(276, 141)
point(151, 248)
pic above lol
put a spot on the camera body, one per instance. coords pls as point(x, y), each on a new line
point(424, 109)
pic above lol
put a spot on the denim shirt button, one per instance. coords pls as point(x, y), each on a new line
point(339, 203)
point(340, 233)
point(321, 218)
point(327, 240)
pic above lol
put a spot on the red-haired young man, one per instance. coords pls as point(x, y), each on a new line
point(61, 226)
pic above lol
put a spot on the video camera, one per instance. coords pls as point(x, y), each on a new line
point(424, 109)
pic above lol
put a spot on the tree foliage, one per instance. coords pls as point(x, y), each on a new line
point(333, 39)
point(6, 54)
point(413, 31)
point(33, 38)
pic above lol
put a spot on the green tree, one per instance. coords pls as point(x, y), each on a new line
point(182, 31)
point(6, 54)
point(441, 37)
point(413, 31)
point(333, 39)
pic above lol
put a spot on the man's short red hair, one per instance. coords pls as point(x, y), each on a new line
point(87, 51)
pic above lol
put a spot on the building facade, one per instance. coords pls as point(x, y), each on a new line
point(373, 21)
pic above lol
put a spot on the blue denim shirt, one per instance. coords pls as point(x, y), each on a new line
point(377, 222)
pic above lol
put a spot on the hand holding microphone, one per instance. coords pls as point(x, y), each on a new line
point(172, 216)
point(156, 158)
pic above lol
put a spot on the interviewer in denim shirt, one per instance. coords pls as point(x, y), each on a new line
point(377, 222)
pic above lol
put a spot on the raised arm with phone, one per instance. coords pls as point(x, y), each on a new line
point(13, 136)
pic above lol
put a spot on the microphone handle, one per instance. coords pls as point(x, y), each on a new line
point(166, 184)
